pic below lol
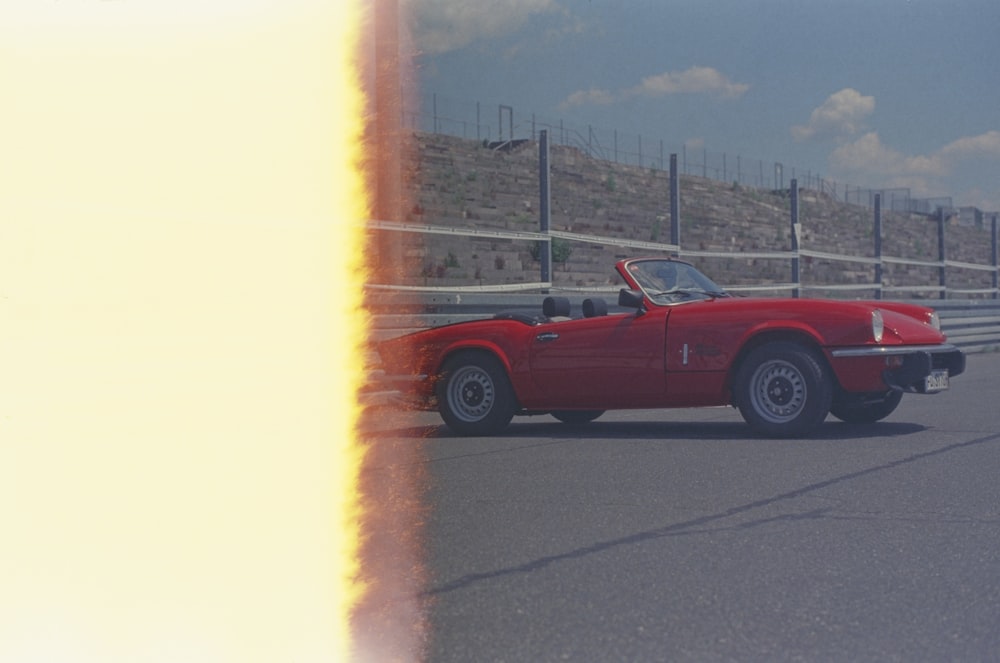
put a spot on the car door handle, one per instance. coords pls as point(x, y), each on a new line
point(546, 337)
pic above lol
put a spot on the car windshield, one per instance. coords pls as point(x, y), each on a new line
point(670, 281)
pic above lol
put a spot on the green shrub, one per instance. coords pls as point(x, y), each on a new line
point(561, 250)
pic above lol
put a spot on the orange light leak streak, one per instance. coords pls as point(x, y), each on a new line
point(389, 622)
point(180, 260)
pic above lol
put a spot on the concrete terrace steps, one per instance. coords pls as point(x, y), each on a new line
point(459, 183)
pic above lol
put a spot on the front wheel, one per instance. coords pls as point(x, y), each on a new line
point(783, 390)
point(860, 410)
point(474, 395)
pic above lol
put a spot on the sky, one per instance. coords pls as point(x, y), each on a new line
point(870, 93)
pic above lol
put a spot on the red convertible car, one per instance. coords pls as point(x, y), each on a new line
point(682, 342)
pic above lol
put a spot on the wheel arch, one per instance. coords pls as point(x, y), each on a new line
point(472, 348)
point(473, 392)
point(480, 348)
point(797, 335)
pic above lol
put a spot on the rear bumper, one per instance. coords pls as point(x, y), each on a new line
point(914, 363)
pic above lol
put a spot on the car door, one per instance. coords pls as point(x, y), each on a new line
point(601, 362)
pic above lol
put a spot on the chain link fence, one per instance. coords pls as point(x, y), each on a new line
point(498, 125)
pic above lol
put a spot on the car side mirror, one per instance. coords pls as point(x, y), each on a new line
point(631, 299)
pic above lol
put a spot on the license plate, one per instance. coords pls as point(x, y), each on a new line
point(936, 381)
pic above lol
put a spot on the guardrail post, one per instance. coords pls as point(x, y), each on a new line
point(942, 272)
point(675, 203)
point(993, 254)
point(545, 201)
point(877, 232)
point(795, 236)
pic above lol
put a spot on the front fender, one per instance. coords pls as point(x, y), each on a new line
point(798, 328)
point(716, 343)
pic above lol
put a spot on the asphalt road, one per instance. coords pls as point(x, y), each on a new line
point(675, 536)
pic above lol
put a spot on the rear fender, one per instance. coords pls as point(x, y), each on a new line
point(517, 370)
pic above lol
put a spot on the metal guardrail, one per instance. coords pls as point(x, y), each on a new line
point(973, 324)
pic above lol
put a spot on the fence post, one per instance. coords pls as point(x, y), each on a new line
point(942, 278)
point(795, 236)
point(545, 199)
point(878, 246)
point(675, 203)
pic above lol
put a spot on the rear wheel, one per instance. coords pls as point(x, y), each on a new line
point(856, 409)
point(783, 390)
point(474, 394)
point(576, 416)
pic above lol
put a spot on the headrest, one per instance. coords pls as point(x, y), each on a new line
point(594, 307)
point(555, 307)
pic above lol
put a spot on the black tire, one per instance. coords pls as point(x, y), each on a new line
point(575, 417)
point(474, 394)
point(860, 410)
point(783, 390)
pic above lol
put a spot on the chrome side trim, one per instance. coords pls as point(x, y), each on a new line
point(884, 351)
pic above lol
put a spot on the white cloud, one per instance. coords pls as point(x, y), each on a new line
point(446, 25)
point(691, 81)
point(987, 144)
point(696, 80)
point(869, 156)
point(842, 114)
point(867, 159)
point(592, 97)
